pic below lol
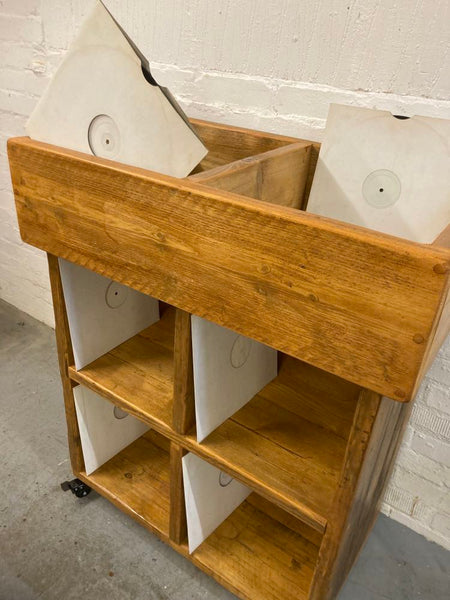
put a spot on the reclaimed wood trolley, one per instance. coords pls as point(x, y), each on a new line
point(357, 317)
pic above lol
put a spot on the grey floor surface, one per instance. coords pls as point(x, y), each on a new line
point(54, 546)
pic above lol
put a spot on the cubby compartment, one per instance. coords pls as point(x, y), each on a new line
point(228, 369)
point(288, 442)
point(244, 540)
point(139, 373)
point(137, 480)
point(101, 313)
point(260, 551)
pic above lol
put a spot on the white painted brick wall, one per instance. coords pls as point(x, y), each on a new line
point(273, 65)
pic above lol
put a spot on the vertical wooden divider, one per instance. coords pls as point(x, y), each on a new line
point(183, 385)
point(183, 422)
point(177, 518)
point(65, 357)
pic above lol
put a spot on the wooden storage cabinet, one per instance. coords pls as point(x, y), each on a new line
point(356, 317)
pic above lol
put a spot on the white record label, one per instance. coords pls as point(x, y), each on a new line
point(240, 351)
point(116, 294)
point(104, 137)
point(382, 188)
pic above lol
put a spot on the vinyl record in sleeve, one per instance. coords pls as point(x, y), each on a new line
point(385, 173)
point(103, 100)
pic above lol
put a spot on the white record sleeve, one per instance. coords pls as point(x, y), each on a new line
point(105, 429)
point(229, 369)
point(210, 496)
point(385, 173)
point(102, 313)
point(103, 100)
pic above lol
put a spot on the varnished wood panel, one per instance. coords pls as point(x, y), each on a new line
point(353, 302)
point(441, 325)
point(137, 481)
point(258, 552)
point(351, 513)
point(287, 443)
point(178, 522)
point(257, 557)
point(65, 358)
point(285, 518)
point(278, 176)
point(271, 445)
point(375, 474)
point(227, 143)
point(183, 404)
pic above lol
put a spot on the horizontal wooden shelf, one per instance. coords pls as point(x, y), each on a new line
point(288, 443)
point(137, 481)
point(138, 374)
point(257, 556)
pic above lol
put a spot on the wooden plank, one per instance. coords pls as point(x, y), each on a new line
point(286, 519)
point(441, 325)
point(227, 143)
point(183, 395)
point(314, 157)
point(138, 374)
point(283, 175)
point(311, 394)
point(178, 522)
point(137, 481)
point(240, 177)
point(353, 302)
point(256, 557)
point(439, 333)
point(65, 358)
point(351, 514)
point(383, 446)
point(278, 176)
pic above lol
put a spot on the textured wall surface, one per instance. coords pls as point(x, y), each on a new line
point(273, 65)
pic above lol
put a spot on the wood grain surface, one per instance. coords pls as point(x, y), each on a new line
point(278, 176)
point(258, 558)
point(137, 481)
point(183, 401)
point(65, 358)
point(350, 301)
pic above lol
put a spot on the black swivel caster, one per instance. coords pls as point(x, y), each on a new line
point(77, 487)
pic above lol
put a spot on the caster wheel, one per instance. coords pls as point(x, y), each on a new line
point(77, 487)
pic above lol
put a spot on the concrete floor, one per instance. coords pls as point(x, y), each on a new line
point(54, 546)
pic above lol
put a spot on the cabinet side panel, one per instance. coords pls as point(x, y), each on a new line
point(65, 357)
point(371, 451)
